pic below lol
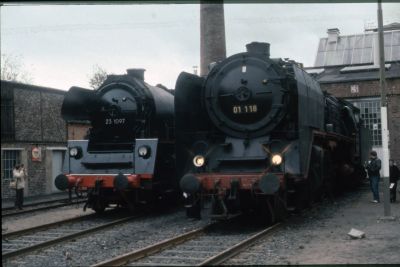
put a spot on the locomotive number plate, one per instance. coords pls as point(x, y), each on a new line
point(242, 109)
point(115, 121)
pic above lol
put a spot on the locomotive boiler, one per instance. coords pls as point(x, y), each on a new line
point(259, 134)
point(128, 157)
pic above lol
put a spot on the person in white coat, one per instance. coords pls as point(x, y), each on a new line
point(19, 177)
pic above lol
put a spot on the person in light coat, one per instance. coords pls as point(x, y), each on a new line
point(19, 177)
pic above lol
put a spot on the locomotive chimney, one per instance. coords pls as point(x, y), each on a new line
point(258, 48)
point(136, 73)
point(212, 34)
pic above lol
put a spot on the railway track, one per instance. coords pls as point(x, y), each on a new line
point(45, 205)
point(205, 246)
point(29, 240)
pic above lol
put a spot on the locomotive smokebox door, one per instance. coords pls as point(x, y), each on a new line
point(145, 155)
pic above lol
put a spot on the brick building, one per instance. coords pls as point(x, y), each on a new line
point(77, 130)
point(347, 66)
point(34, 133)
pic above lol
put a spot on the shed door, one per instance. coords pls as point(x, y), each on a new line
point(58, 156)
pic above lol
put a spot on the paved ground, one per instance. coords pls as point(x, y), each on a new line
point(319, 235)
point(42, 217)
point(9, 202)
point(23, 221)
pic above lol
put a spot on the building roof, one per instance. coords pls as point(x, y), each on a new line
point(388, 27)
point(20, 85)
point(358, 48)
point(336, 74)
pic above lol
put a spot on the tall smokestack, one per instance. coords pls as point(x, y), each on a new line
point(212, 34)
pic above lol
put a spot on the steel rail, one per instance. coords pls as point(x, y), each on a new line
point(163, 245)
point(44, 226)
point(41, 203)
point(141, 253)
point(41, 208)
point(234, 250)
point(65, 238)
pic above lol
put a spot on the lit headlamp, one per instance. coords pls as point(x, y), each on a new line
point(199, 160)
point(276, 159)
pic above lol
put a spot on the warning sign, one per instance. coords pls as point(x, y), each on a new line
point(36, 154)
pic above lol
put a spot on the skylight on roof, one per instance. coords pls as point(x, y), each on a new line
point(315, 71)
point(357, 49)
point(362, 68)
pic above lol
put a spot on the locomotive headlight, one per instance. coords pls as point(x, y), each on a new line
point(199, 160)
point(144, 151)
point(276, 159)
point(75, 152)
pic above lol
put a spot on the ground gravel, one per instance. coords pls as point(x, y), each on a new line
point(316, 236)
point(319, 235)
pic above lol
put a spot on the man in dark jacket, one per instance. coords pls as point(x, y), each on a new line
point(373, 168)
point(394, 174)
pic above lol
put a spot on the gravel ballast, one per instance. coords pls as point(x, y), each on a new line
point(316, 236)
point(121, 239)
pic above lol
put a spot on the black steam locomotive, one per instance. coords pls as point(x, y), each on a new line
point(128, 157)
point(259, 134)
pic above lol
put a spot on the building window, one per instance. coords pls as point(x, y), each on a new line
point(370, 112)
point(10, 159)
point(7, 119)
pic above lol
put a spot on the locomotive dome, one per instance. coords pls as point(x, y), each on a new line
point(244, 94)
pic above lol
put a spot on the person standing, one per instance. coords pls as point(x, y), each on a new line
point(19, 176)
point(394, 174)
point(373, 168)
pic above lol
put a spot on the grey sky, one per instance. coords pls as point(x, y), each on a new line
point(60, 44)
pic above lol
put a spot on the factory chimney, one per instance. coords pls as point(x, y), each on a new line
point(212, 34)
point(333, 35)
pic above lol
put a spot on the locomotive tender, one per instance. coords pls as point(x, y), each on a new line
point(259, 134)
point(128, 157)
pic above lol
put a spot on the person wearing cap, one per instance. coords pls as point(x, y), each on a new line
point(373, 167)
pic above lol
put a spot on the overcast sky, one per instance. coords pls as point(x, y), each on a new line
point(60, 44)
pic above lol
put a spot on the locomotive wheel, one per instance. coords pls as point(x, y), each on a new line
point(280, 203)
point(218, 207)
point(329, 175)
point(303, 196)
point(271, 209)
point(99, 206)
point(99, 209)
point(271, 212)
point(194, 209)
point(276, 208)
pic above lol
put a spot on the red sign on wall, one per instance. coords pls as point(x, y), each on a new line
point(36, 154)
